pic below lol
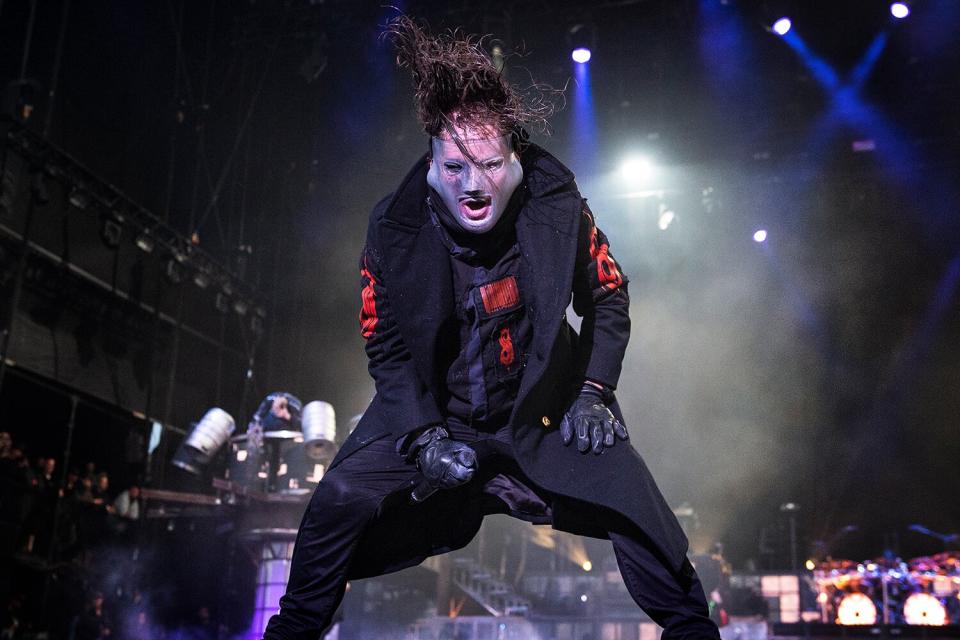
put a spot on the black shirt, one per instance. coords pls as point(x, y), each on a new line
point(495, 333)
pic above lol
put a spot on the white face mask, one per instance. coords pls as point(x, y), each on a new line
point(476, 186)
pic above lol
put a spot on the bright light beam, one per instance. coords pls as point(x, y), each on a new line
point(899, 10)
point(584, 122)
point(848, 108)
point(862, 71)
point(638, 170)
point(782, 26)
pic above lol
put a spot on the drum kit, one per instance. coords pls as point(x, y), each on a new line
point(921, 591)
point(285, 462)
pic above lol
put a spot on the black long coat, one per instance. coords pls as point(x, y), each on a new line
point(407, 261)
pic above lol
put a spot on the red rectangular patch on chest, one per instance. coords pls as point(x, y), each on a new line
point(500, 295)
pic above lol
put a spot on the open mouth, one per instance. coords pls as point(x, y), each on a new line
point(475, 208)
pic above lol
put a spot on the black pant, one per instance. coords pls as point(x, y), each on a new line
point(362, 496)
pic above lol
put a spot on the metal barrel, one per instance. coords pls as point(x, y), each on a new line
point(319, 426)
point(215, 428)
point(208, 435)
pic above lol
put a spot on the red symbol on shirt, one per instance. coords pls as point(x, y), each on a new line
point(506, 347)
point(500, 295)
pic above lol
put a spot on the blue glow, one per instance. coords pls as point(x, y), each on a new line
point(724, 46)
point(782, 26)
point(820, 68)
point(862, 71)
point(899, 10)
point(581, 55)
point(849, 110)
point(584, 129)
point(760, 235)
point(728, 52)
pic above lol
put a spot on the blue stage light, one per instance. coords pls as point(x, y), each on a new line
point(782, 26)
point(760, 235)
point(899, 10)
point(581, 55)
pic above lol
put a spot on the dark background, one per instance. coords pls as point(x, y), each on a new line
point(818, 368)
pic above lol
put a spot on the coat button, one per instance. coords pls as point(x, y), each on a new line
point(545, 420)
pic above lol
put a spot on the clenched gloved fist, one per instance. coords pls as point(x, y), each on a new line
point(444, 463)
point(593, 423)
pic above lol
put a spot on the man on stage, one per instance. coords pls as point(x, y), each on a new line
point(487, 400)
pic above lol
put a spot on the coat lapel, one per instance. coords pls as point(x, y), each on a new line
point(547, 229)
point(417, 275)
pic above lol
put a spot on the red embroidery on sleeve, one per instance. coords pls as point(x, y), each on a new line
point(593, 239)
point(368, 308)
point(607, 270)
point(506, 347)
point(500, 295)
point(608, 273)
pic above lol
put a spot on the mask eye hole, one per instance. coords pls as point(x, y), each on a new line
point(452, 167)
point(493, 165)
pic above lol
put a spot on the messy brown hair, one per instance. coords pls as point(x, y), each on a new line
point(456, 82)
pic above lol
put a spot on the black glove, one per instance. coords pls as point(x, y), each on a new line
point(591, 420)
point(444, 463)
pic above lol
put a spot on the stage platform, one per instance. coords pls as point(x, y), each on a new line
point(815, 631)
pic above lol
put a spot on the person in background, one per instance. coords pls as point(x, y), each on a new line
point(127, 504)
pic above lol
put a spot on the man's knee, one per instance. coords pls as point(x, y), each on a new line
point(340, 497)
point(333, 489)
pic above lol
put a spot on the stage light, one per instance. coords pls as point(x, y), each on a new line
point(666, 218)
point(79, 199)
point(201, 279)
point(760, 235)
point(144, 242)
point(924, 609)
point(899, 10)
point(638, 169)
point(810, 565)
point(782, 26)
point(583, 597)
point(587, 565)
point(855, 609)
point(581, 55)
point(581, 40)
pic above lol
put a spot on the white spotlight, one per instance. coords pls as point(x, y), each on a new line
point(666, 219)
point(760, 235)
point(782, 26)
point(581, 55)
point(899, 10)
point(638, 169)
